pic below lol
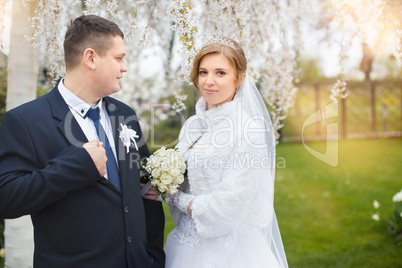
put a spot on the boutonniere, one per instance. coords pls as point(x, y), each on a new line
point(128, 136)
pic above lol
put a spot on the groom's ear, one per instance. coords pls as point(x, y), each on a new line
point(89, 58)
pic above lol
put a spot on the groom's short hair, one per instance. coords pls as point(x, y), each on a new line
point(88, 31)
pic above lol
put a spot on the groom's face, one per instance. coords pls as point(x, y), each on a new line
point(110, 68)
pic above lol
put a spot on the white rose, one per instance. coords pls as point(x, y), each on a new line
point(152, 163)
point(166, 179)
point(174, 184)
point(165, 166)
point(156, 173)
point(173, 155)
point(161, 152)
point(174, 172)
point(179, 179)
point(375, 217)
point(162, 187)
point(173, 191)
point(182, 166)
point(159, 162)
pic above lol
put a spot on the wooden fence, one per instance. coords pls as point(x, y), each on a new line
point(371, 110)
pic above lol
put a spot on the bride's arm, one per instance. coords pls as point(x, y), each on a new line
point(243, 192)
point(232, 204)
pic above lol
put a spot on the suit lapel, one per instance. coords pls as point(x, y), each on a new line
point(68, 125)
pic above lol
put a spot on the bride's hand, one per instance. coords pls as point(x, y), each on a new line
point(151, 194)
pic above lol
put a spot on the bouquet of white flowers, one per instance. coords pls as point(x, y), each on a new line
point(166, 170)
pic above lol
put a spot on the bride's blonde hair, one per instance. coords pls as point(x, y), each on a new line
point(235, 55)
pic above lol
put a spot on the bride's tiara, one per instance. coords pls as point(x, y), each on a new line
point(219, 40)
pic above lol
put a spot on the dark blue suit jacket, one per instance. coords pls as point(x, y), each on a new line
point(80, 219)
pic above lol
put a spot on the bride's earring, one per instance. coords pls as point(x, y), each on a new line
point(236, 89)
point(234, 95)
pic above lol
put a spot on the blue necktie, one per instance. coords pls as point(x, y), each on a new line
point(112, 170)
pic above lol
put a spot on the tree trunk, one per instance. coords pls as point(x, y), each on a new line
point(21, 87)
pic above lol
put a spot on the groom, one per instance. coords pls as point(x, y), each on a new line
point(62, 161)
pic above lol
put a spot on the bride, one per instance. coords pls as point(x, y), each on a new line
point(224, 211)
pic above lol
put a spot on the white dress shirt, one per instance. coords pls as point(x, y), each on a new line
point(79, 109)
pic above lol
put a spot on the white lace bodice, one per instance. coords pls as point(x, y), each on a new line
point(229, 179)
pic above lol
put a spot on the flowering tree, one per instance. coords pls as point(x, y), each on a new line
point(174, 31)
point(376, 24)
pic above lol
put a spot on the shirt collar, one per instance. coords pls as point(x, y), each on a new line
point(74, 102)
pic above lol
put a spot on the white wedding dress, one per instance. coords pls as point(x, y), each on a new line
point(230, 183)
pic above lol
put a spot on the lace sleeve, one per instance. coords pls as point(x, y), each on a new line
point(175, 212)
point(244, 194)
point(181, 201)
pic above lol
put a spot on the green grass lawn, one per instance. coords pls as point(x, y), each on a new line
point(324, 213)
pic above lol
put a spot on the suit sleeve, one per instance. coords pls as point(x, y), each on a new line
point(155, 219)
point(26, 188)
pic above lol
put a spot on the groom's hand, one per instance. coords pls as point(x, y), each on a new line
point(98, 154)
point(151, 194)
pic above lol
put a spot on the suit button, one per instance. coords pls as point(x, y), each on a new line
point(129, 239)
point(126, 209)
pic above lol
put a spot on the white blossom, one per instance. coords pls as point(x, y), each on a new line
point(397, 197)
point(338, 90)
point(396, 39)
point(375, 217)
point(363, 19)
point(174, 30)
point(376, 205)
point(363, 13)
